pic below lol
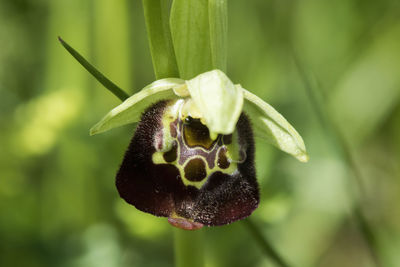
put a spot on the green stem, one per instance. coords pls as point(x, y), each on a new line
point(189, 248)
point(264, 244)
point(326, 120)
point(112, 87)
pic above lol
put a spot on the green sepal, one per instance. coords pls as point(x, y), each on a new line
point(218, 99)
point(132, 108)
point(271, 126)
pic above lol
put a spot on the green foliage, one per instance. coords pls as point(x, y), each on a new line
point(58, 200)
point(218, 20)
point(156, 13)
point(190, 30)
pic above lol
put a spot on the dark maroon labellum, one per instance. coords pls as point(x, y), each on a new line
point(196, 181)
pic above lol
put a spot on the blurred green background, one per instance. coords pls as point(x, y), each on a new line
point(58, 202)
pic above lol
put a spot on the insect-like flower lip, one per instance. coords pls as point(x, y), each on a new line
point(218, 102)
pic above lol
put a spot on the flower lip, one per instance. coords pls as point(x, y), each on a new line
point(191, 189)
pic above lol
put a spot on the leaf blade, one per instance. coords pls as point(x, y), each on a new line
point(190, 31)
point(156, 13)
point(218, 19)
point(112, 87)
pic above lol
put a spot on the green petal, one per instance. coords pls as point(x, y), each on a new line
point(271, 126)
point(218, 99)
point(132, 108)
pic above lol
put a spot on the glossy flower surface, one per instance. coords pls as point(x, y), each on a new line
point(191, 158)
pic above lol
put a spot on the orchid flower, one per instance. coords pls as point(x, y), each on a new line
point(191, 158)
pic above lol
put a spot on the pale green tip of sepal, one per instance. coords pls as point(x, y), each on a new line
point(218, 99)
point(271, 126)
point(132, 108)
point(304, 157)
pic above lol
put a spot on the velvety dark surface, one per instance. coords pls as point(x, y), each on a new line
point(159, 190)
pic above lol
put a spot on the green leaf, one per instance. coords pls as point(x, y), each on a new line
point(219, 101)
point(218, 17)
point(132, 108)
point(156, 13)
point(190, 31)
point(112, 87)
point(271, 126)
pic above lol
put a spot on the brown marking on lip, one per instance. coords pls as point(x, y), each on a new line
point(186, 152)
point(227, 139)
point(222, 162)
point(171, 155)
point(196, 134)
point(195, 170)
point(172, 128)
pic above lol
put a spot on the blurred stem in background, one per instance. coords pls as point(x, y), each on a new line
point(189, 248)
point(66, 93)
point(348, 155)
point(264, 244)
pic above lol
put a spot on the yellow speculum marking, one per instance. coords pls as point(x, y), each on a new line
point(173, 112)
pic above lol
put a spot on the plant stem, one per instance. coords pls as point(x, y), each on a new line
point(189, 248)
point(264, 244)
point(326, 120)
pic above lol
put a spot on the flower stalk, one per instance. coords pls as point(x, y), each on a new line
point(189, 248)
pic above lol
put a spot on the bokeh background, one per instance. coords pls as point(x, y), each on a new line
point(58, 202)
